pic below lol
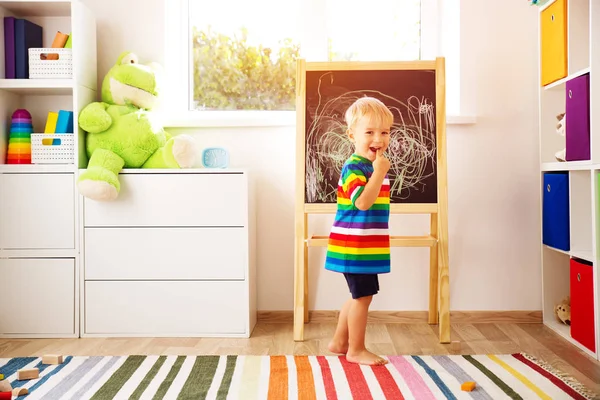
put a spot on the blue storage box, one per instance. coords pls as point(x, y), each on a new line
point(555, 210)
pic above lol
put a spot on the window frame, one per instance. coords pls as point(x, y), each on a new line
point(178, 64)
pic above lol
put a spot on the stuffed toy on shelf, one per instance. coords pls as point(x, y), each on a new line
point(124, 132)
point(563, 311)
point(560, 129)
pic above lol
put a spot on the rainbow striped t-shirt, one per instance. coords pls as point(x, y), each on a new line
point(359, 241)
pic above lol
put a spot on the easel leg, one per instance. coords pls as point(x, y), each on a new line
point(306, 318)
point(440, 86)
point(299, 283)
point(444, 285)
point(433, 273)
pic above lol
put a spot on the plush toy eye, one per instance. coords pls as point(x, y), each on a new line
point(130, 59)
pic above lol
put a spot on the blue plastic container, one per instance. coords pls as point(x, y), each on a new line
point(215, 157)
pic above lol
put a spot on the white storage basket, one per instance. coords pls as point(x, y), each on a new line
point(50, 69)
point(45, 151)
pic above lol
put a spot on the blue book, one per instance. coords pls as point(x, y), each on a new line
point(27, 35)
point(64, 123)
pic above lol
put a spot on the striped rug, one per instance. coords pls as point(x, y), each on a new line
point(514, 376)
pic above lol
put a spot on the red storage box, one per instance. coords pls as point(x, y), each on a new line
point(582, 303)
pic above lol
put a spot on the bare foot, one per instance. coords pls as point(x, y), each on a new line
point(338, 348)
point(365, 357)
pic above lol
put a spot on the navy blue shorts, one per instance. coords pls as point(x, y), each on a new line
point(362, 285)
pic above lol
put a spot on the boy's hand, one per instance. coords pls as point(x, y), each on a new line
point(381, 164)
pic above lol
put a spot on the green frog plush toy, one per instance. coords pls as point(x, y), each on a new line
point(123, 132)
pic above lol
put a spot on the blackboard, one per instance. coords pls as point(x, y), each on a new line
point(409, 94)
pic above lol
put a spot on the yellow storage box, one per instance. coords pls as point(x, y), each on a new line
point(554, 49)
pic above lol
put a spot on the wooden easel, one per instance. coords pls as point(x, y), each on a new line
point(437, 240)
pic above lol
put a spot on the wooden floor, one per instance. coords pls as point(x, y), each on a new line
point(385, 339)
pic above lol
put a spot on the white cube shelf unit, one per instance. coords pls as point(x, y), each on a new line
point(569, 39)
point(39, 214)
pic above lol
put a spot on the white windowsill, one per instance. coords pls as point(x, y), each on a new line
point(226, 119)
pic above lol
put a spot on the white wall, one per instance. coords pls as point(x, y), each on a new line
point(492, 171)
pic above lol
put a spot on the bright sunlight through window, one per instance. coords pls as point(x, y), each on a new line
point(243, 53)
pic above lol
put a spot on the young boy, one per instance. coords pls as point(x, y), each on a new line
point(359, 244)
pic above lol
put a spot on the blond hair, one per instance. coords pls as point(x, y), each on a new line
point(369, 107)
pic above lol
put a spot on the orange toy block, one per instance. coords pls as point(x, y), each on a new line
point(467, 386)
point(25, 374)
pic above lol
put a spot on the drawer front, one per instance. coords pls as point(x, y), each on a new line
point(582, 303)
point(577, 129)
point(38, 296)
point(553, 37)
point(555, 213)
point(166, 308)
point(38, 211)
point(165, 253)
point(185, 199)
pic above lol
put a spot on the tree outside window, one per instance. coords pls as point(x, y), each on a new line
point(246, 60)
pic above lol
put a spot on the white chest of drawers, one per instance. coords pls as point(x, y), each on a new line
point(172, 256)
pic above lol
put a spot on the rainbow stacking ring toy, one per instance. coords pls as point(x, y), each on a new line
point(19, 142)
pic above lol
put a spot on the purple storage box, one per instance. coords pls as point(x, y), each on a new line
point(577, 109)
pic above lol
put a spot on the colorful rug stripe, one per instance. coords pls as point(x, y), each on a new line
point(513, 376)
point(226, 380)
point(435, 377)
point(563, 386)
point(461, 376)
point(200, 379)
point(305, 378)
point(494, 379)
point(327, 378)
point(356, 380)
point(521, 378)
point(168, 381)
point(118, 379)
point(143, 385)
point(387, 383)
point(412, 378)
point(278, 382)
point(66, 384)
point(92, 384)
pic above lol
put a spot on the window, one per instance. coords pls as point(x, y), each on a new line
point(244, 62)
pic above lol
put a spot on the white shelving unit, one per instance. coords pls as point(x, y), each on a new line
point(39, 204)
point(573, 25)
